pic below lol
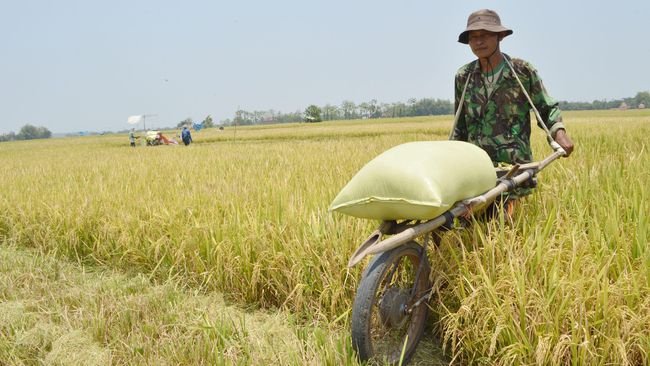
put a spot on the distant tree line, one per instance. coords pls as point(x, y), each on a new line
point(347, 110)
point(640, 100)
point(27, 132)
point(350, 110)
point(412, 108)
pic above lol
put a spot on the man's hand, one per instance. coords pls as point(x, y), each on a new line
point(564, 141)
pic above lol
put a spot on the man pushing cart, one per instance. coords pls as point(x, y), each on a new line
point(419, 188)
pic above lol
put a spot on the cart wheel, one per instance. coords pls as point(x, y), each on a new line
point(385, 315)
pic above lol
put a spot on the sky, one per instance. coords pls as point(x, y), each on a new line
point(88, 65)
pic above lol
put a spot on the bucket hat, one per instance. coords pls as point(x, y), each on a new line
point(484, 19)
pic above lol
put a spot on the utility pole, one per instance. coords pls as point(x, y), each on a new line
point(237, 116)
point(144, 117)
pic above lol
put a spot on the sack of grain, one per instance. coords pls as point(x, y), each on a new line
point(416, 180)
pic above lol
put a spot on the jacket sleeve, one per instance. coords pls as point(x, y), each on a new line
point(459, 131)
point(546, 105)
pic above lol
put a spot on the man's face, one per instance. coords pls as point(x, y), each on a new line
point(483, 43)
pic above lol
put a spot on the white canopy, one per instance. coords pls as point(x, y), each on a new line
point(133, 120)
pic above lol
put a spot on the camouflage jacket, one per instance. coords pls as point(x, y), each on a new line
point(500, 124)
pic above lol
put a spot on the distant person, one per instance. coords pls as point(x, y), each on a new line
point(132, 137)
point(494, 107)
point(186, 136)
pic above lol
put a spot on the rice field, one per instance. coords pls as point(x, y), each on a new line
point(224, 252)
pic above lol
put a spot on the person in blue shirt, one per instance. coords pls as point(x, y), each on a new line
point(186, 136)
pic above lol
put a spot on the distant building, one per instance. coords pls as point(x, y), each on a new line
point(641, 106)
point(623, 106)
point(268, 117)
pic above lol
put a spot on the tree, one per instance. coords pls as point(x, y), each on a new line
point(642, 98)
point(186, 122)
point(242, 118)
point(364, 110)
point(312, 114)
point(8, 137)
point(330, 112)
point(398, 109)
point(374, 110)
point(29, 132)
point(44, 133)
point(207, 122)
point(349, 109)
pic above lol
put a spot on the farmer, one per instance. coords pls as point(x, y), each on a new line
point(132, 137)
point(186, 136)
point(495, 111)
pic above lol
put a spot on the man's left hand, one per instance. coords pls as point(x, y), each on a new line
point(564, 141)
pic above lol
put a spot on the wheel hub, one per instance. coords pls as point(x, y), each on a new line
point(392, 308)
